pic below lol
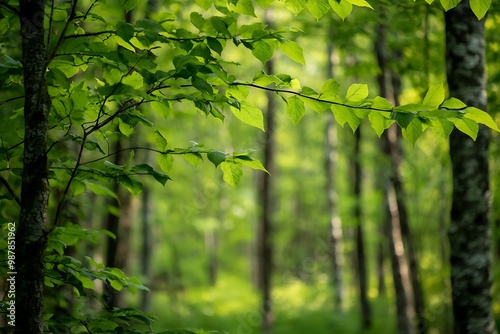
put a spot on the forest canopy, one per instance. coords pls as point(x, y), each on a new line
point(111, 111)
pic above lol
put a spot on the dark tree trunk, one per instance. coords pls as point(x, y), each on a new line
point(147, 245)
point(331, 157)
point(469, 232)
point(395, 206)
point(360, 243)
point(118, 222)
point(264, 237)
point(31, 238)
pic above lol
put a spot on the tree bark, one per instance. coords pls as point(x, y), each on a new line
point(31, 237)
point(395, 206)
point(469, 232)
point(331, 158)
point(361, 266)
point(264, 233)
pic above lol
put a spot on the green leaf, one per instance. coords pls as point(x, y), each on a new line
point(197, 20)
point(250, 162)
point(293, 51)
point(295, 109)
point(249, 114)
point(443, 127)
point(434, 97)
point(356, 93)
point(341, 7)
point(99, 189)
point(201, 85)
point(379, 122)
point(133, 186)
point(205, 4)
point(165, 162)
point(262, 50)
point(245, 7)
point(161, 178)
point(467, 126)
point(231, 172)
point(214, 44)
point(402, 118)
point(239, 92)
point(482, 117)
point(480, 7)
point(413, 131)
point(193, 158)
point(318, 8)
point(449, 4)
point(295, 6)
point(125, 30)
point(360, 3)
point(160, 141)
point(453, 103)
point(344, 114)
point(329, 90)
point(381, 103)
point(163, 107)
point(216, 157)
point(264, 3)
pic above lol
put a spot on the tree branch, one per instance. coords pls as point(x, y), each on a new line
point(62, 37)
point(10, 8)
point(89, 34)
point(10, 190)
point(279, 90)
point(11, 99)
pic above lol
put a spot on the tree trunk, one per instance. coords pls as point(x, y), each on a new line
point(118, 222)
point(361, 266)
point(405, 308)
point(469, 232)
point(331, 158)
point(147, 244)
point(395, 207)
point(31, 237)
point(264, 237)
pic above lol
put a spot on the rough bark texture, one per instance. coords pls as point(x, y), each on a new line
point(31, 239)
point(469, 232)
point(264, 237)
point(331, 158)
point(360, 243)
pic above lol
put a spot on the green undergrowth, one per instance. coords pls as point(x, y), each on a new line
point(232, 306)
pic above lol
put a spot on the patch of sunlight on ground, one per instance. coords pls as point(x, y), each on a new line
point(230, 296)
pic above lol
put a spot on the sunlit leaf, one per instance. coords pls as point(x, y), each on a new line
point(293, 51)
point(342, 7)
point(360, 3)
point(249, 114)
point(434, 96)
point(295, 109)
point(480, 7)
point(480, 116)
point(231, 172)
point(356, 93)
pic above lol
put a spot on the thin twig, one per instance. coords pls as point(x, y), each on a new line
point(11, 99)
point(90, 34)
point(10, 190)
point(63, 33)
point(9, 7)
